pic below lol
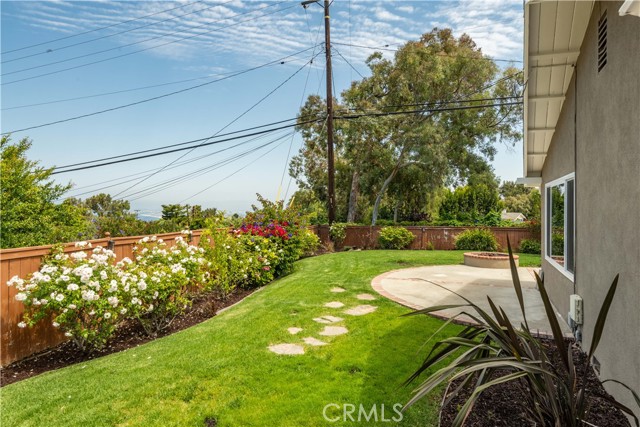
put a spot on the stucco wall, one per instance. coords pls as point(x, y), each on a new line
point(607, 167)
point(560, 161)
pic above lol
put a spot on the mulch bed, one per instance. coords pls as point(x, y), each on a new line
point(130, 334)
point(503, 404)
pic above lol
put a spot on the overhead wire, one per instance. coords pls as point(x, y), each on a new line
point(55, 171)
point(230, 175)
point(154, 98)
point(57, 49)
point(154, 188)
point(226, 126)
point(176, 165)
point(99, 29)
point(148, 48)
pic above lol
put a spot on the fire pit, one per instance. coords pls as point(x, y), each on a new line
point(488, 259)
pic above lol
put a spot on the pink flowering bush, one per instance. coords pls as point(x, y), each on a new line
point(78, 291)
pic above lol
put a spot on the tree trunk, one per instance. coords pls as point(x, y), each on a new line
point(353, 197)
point(395, 212)
point(376, 206)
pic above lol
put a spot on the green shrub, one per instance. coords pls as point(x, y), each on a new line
point(530, 246)
point(477, 239)
point(338, 232)
point(395, 238)
point(557, 242)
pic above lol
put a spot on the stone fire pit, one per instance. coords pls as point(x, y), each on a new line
point(488, 259)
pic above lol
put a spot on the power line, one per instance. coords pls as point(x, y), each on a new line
point(425, 110)
point(173, 145)
point(176, 165)
point(148, 48)
point(386, 48)
point(105, 37)
point(230, 175)
point(349, 63)
point(55, 171)
point(100, 28)
point(226, 126)
point(152, 98)
point(152, 189)
point(128, 90)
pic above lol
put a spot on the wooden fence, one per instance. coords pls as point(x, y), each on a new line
point(17, 343)
point(442, 238)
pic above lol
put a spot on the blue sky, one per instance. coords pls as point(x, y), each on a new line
point(201, 41)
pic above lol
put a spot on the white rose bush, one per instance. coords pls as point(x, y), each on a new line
point(72, 292)
point(87, 294)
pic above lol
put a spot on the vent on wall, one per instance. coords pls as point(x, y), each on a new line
point(602, 41)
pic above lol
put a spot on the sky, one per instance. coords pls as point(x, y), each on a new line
point(235, 64)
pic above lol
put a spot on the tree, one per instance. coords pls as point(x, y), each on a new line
point(469, 204)
point(518, 198)
point(113, 216)
point(373, 152)
point(29, 214)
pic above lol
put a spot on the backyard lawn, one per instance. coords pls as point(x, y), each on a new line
point(221, 372)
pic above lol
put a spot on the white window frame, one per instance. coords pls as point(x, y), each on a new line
point(547, 223)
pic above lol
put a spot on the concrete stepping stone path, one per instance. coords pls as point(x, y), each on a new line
point(365, 297)
point(328, 319)
point(294, 330)
point(334, 304)
point(314, 341)
point(332, 331)
point(287, 349)
point(361, 310)
point(338, 289)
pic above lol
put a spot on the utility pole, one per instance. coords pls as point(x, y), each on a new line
point(331, 187)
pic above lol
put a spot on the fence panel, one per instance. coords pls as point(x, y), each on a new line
point(17, 343)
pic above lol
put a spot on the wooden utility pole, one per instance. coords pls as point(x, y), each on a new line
point(331, 186)
point(330, 166)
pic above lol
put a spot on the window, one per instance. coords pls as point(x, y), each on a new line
point(560, 224)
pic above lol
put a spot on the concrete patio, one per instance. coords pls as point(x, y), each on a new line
point(416, 288)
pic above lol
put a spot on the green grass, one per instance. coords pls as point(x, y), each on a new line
point(222, 368)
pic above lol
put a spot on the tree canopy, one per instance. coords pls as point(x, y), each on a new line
point(418, 123)
point(29, 212)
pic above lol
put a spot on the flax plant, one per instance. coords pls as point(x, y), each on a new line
point(496, 351)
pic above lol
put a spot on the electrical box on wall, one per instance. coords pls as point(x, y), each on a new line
point(575, 309)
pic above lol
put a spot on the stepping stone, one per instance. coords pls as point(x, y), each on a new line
point(294, 331)
point(338, 289)
point(361, 310)
point(327, 319)
point(287, 349)
point(334, 304)
point(365, 297)
point(330, 331)
point(314, 341)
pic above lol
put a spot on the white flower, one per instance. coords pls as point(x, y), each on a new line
point(145, 239)
point(103, 275)
point(72, 306)
point(113, 301)
point(15, 280)
point(92, 312)
point(59, 297)
point(81, 244)
point(56, 324)
point(135, 300)
point(68, 334)
point(78, 255)
point(22, 325)
point(155, 295)
point(21, 296)
point(123, 311)
point(107, 315)
point(72, 287)
point(88, 295)
point(64, 278)
point(142, 285)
